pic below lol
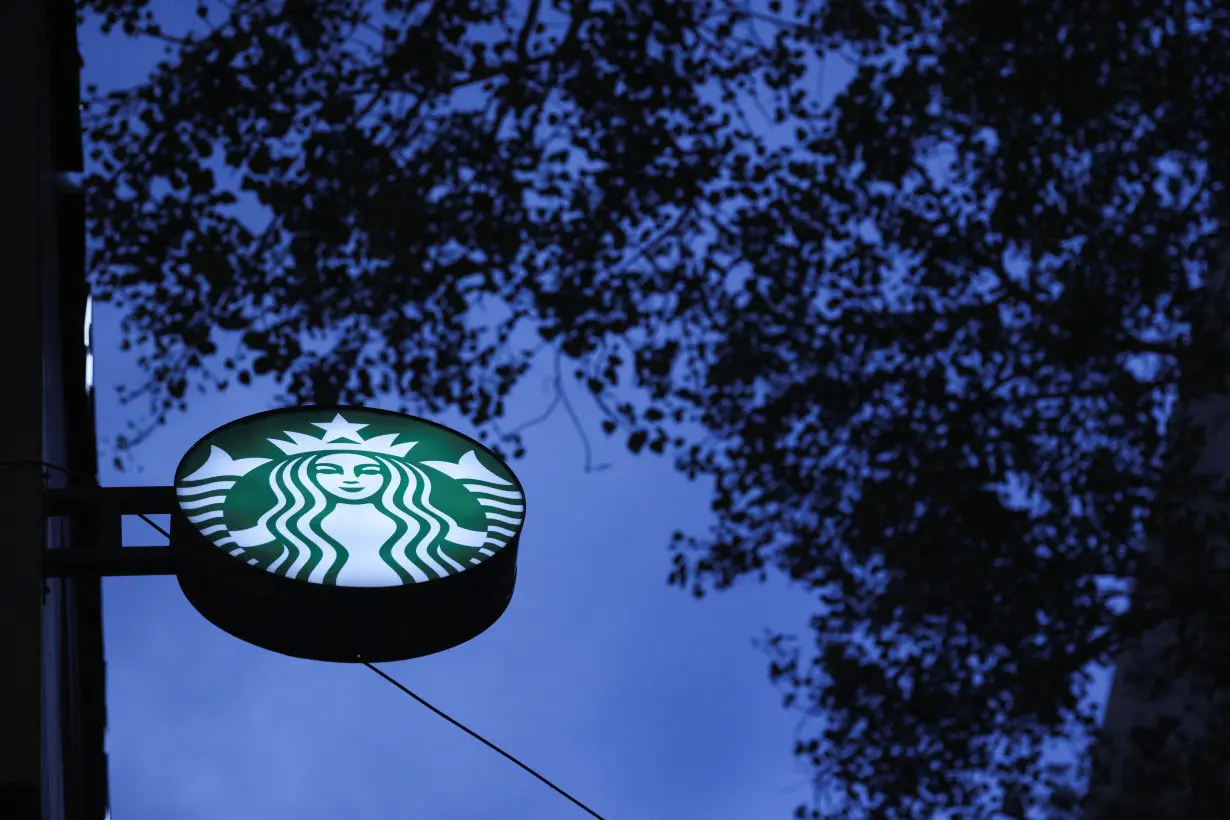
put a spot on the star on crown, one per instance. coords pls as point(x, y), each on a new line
point(341, 435)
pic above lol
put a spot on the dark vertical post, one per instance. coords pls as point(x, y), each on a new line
point(23, 196)
point(1160, 753)
point(72, 610)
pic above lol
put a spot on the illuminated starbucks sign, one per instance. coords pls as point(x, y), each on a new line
point(346, 532)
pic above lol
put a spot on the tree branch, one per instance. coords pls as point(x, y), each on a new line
point(590, 467)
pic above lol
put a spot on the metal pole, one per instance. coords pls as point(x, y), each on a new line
point(23, 205)
point(75, 563)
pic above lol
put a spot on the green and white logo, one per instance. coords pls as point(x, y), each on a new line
point(377, 499)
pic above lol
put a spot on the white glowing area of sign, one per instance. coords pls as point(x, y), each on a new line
point(356, 502)
point(89, 346)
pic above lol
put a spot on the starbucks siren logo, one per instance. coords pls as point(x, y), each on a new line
point(342, 509)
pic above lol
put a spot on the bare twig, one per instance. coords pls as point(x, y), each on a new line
point(539, 419)
point(590, 467)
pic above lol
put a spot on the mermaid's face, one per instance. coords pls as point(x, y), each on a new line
point(349, 476)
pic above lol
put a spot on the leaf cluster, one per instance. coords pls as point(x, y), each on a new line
point(930, 325)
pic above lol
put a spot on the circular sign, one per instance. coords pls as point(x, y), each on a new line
point(301, 526)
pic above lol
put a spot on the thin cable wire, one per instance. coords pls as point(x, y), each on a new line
point(74, 473)
point(379, 672)
point(479, 737)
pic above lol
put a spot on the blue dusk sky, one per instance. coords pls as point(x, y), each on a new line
point(640, 700)
point(635, 697)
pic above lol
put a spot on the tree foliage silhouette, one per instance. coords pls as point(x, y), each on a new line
point(928, 326)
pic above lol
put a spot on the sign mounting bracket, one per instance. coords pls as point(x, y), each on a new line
point(106, 555)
